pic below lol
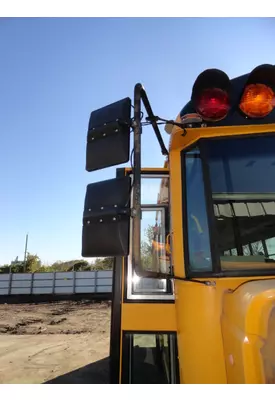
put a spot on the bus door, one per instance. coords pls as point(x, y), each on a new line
point(143, 346)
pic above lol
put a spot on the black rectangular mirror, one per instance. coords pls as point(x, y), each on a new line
point(108, 139)
point(106, 218)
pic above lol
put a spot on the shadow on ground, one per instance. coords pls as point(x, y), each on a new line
point(97, 372)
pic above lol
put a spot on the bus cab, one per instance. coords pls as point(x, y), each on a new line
point(193, 242)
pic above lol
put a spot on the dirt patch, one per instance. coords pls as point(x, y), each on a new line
point(55, 318)
point(54, 358)
point(64, 342)
point(58, 321)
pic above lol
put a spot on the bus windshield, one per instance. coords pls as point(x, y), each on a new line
point(242, 177)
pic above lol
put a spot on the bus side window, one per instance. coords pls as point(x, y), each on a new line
point(197, 223)
point(155, 243)
point(154, 250)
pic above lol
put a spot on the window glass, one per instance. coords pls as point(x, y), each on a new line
point(154, 190)
point(152, 358)
point(242, 173)
point(155, 243)
point(270, 247)
point(197, 223)
point(154, 251)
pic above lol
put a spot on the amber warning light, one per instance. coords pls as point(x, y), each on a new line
point(258, 100)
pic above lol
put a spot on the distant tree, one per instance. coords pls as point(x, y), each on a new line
point(79, 265)
point(73, 265)
point(103, 263)
point(146, 248)
point(5, 269)
point(63, 266)
point(33, 263)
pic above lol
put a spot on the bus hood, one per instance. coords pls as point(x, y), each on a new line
point(248, 330)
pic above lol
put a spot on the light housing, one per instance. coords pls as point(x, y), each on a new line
point(192, 118)
point(210, 95)
point(258, 97)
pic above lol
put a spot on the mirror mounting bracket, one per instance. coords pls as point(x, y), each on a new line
point(141, 96)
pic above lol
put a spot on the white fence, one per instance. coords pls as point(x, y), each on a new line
point(56, 283)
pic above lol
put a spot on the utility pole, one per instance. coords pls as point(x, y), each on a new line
point(25, 255)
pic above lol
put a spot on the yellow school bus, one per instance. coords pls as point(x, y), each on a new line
point(194, 241)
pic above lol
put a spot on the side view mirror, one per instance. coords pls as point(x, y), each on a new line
point(108, 139)
point(106, 218)
point(107, 212)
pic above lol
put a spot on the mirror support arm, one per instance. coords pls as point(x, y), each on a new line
point(140, 95)
point(136, 210)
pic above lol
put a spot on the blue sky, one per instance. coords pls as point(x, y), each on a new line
point(54, 72)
